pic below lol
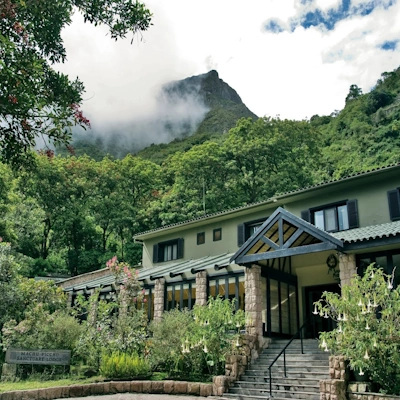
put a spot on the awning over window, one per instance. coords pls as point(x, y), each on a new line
point(283, 235)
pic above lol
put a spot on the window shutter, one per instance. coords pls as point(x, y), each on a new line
point(155, 253)
point(352, 212)
point(394, 204)
point(306, 215)
point(241, 229)
point(180, 248)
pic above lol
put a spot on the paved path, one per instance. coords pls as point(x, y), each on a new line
point(141, 396)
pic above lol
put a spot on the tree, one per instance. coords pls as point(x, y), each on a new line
point(354, 92)
point(270, 156)
point(199, 178)
point(35, 100)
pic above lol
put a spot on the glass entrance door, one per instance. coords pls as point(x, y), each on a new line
point(318, 324)
point(282, 317)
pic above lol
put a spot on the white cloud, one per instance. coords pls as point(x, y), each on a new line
point(293, 74)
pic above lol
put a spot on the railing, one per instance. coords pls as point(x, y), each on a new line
point(283, 351)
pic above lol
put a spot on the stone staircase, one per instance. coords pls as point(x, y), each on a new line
point(303, 373)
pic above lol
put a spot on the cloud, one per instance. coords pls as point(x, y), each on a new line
point(325, 14)
point(289, 69)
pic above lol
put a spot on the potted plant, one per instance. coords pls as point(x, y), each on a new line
point(367, 314)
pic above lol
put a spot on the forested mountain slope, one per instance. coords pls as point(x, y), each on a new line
point(366, 133)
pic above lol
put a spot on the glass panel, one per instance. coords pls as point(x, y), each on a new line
point(319, 219)
point(274, 306)
point(174, 251)
point(169, 298)
point(221, 287)
point(293, 309)
point(212, 289)
point(382, 263)
point(193, 294)
point(232, 289)
point(254, 228)
point(177, 296)
point(343, 218)
point(330, 219)
point(363, 265)
point(285, 308)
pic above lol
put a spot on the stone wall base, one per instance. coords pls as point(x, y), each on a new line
point(152, 387)
point(363, 391)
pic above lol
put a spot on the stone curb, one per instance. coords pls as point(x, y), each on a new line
point(151, 387)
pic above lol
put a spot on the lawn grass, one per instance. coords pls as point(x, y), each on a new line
point(41, 384)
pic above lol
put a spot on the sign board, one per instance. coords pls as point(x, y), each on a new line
point(45, 357)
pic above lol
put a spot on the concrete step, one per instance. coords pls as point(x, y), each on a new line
point(303, 373)
point(299, 362)
point(254, 375)
point(294, 385)
point(256, 393)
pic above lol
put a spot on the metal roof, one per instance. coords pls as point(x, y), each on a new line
point(273, 199)
point(170, 271)
point(372, 232)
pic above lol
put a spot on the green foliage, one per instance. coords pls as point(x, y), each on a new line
point(10, 296)
point(41, 329)
point(368, 324)
point(217, 331)
point(115, 326)
point(190, 344)
point(124, 366)
point(36, 100)
point(165, 345)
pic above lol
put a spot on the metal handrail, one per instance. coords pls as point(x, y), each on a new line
point(283, 351)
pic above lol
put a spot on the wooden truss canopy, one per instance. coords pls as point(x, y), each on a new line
point(284, 235)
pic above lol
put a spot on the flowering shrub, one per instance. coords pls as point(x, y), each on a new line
point(113, 326)
point(167, 347)
point(368, 324)
point(217, 331)
point(192, 344)
point(130, 288)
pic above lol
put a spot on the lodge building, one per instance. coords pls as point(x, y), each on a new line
point(275, 257)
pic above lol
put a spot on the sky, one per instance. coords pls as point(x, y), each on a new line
point(286, 58)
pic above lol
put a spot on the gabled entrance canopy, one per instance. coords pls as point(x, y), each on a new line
point(283, 235)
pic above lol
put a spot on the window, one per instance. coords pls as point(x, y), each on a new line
point(168, 251)
point(394, 204)
point(230, 286)
point(201, 238)
point(333, 217)
point(180, 295)
point(217, 234)
point(246, 230)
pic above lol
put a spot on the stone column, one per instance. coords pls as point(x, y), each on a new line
point(347, 267)
point(201, 288)
point(159, 290)
point(253, 301)
point(69, 298)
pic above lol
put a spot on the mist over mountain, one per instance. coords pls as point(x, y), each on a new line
point(192, 106)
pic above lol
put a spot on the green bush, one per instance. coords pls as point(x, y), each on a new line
point(122, 365)
point(167, 351)
point(368, 325)
point(42, 330)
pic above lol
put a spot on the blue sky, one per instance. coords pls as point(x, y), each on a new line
point(292, 58)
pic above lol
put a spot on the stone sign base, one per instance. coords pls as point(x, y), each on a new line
point(8, 372)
